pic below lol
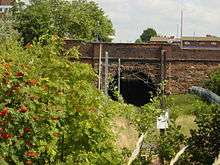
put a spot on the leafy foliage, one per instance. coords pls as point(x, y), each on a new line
point(7, 31)
point(146, 35)
point(50, 110)
point(214, 82)
point(76, 20)
point(184, 104)
point(204, 142)
point(171, 142)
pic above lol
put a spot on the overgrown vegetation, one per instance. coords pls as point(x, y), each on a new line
point(52, 113)
point(205, 141)
point(214, 82)
point(50, 110)
point(77, 19)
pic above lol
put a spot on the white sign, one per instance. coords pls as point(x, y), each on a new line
point(162, 121)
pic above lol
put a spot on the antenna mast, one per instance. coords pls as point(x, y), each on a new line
point(181, 31)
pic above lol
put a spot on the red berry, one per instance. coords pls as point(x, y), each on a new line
point(5, 136)
point(32, 82)
point(4, 111)
point(23, 109)
point(31, 154)
point(19, 74)
point(27, 129)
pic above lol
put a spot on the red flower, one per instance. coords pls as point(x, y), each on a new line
point(32, 82)
point(23, 109)
point(19, 74)
point(31, 154)
point(4, 111)
point(5, 136)
point(27, 129)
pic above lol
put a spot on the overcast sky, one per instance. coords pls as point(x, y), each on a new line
point(131, 17)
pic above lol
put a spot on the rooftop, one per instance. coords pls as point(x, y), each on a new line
point(207, 38)
point(163, 39)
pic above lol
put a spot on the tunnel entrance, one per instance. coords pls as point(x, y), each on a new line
point(135, 87)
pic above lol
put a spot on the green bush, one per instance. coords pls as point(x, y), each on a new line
point(214, 82)
point(204, 142)
point(51, 111)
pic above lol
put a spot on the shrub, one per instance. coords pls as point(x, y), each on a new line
point(50, 110)
point(204, 142)
point(214, 82)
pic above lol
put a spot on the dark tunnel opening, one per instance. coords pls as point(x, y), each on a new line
point(135, 87)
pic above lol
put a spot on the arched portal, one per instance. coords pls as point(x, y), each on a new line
point(136, 87)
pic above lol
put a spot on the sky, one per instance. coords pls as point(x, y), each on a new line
point(131, 17)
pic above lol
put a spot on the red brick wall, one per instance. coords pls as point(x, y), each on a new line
point(184, 68)
point(187, 54)
point(182, 75)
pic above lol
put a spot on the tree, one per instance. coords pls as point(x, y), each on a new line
point(77, 19)
point(147, 34)
point(138, 41)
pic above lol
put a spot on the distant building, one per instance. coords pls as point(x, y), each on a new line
point(5, 5)
point(201, 42)
point(164, 39)
point(208, 42)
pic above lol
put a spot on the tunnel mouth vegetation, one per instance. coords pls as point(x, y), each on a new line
point(136, 88)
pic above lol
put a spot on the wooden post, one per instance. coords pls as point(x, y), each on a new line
point(106, 73)
point(119, 75)
point(100, 66)
point(162, 99)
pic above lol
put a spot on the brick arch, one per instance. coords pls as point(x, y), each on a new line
point(136, 87)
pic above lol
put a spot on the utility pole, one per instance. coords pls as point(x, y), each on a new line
point(181, 31)
point(100, 66)
point(106, 73)
point(177, 31)
point(162, 120)
point(119, 75)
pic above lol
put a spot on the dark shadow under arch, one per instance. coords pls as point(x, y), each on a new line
point(137, 88)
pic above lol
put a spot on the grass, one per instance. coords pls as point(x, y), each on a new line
point(183, 108)
point(127, 135)
point(183, 104)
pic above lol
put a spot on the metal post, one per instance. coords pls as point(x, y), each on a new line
point(162, 99)
point(181, 30)
point(100, 66)
point(106, 73)
point(162, 73)
point(119, 75)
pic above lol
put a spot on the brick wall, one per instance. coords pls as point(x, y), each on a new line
point(181, 75)
point(184, 67)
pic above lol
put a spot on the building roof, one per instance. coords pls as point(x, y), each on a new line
point(208, 38)
point(163, 39)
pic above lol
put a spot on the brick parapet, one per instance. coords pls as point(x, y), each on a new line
point(183, 67)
